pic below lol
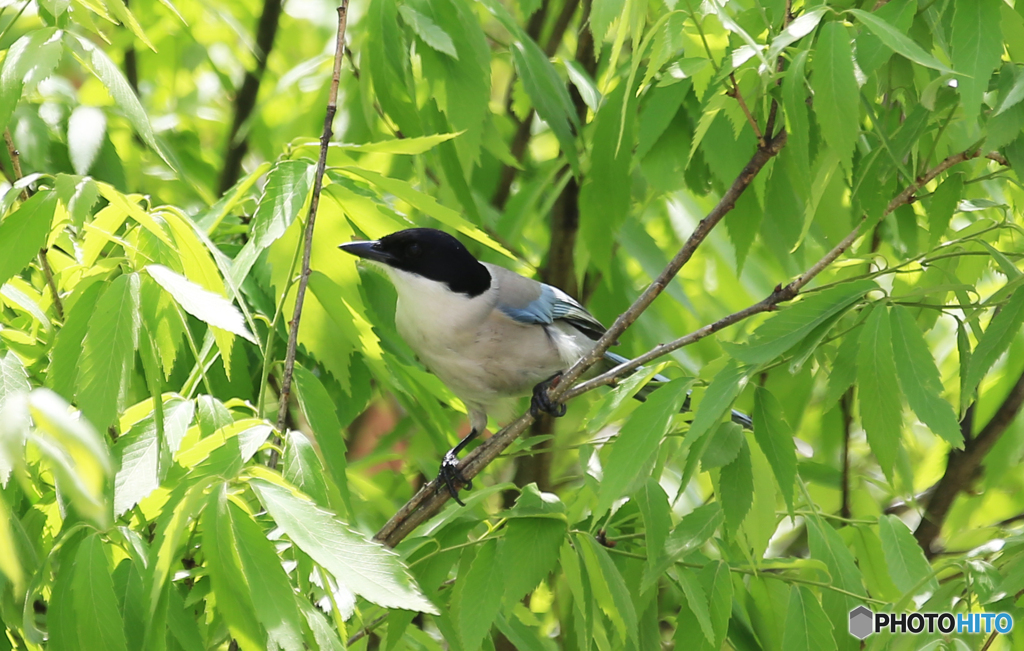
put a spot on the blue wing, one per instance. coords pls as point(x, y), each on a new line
point(552, 305)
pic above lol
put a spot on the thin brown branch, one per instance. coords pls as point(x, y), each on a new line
point(44, 264)
point(735, 93)
point(307, 247)
point(245, 100)
point(429, 500)
point(846, 404)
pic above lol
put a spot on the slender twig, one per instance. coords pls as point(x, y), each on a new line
point(366, 630)
point(846, 404)
point(738, 96)
point(15, 19)
point(429, 500)
point(989, 641)
point(318, 181)
point(44, 264)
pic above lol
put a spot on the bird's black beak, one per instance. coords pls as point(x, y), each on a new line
point(367, 250)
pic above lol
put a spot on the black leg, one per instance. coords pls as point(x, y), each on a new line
point(449, 476)
point(540, 403)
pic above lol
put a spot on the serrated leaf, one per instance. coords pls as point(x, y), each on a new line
point(737, 488)
point(407, 146)
point(638, 441)
point(602, 13)
point(878, 390)
point(275, 606)
point(108, 351)
point(13, 378)
point(110, 75)
point(548, 94)
point(138, 451)
point(723, 390)
point(428, 30)
point(976, 49)
point(318, 408)
point(87, 128)
point(942, 205)
point(119, 9)
point(208, 307)
point(807, 626)
point(480, 597)
point(302, 467)
point(96, 614)
point(794, 96)
point(695, 529)
point(775, 438)
point(657, 516)
point(908, 566)
point(23, 233)
point(528, 553)
point(836, 105)
point(718, 584)
point(799, 28)
point(283, 196)
point(609, 588)
point(919, 377)
point(233, 593)
point(993, 343)
point(784, 330)
point(31, 59)
point(697, 602)
point(898, 42)
point(1013, 96)
point(364, 567)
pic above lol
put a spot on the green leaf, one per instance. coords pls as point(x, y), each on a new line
point(807, 626)
point(528, 553)
point(408, 146)
point(697, 602)
point(108, 351)
point(717, 582)
point(480, 597)
point(695, 529)
point(95, 59)
point(232, 592)
point(878, 390)
point(919, 377)
point(942, 206)
point(720, 394)
point(898, 42)
point(638, 442)
point(775, 438)
point(836, 103)
point(977, 47)
point(98, 619)
point(208, 307)
point(737, 488)
point(794, 98)
point(318, 408)
point(609, 588)
point(275, 604)
point(13, 378)
point(908, 566)
point(993, 343)
point(602, 13)
point(657, 515)
point(796, 30)
point(1013, 96)
point(23, 233)
point(549, 95)
point(283, 195)
point(428, 30)
point(785, 329)
point(605, 193)
point(138, 451)
point(87, 128)
point(826, 545)
point(302, 467)
point(30, 60)
point(364, 567)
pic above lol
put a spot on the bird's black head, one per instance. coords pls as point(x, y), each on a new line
point(430, 253)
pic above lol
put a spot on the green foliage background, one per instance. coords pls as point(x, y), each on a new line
point(150, 232)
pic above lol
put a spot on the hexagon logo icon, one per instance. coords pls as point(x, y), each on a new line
point(862, 622)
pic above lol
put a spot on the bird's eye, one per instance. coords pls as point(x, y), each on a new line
point(413, 250)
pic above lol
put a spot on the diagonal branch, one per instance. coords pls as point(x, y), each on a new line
point(318, 181)
point(428, 501)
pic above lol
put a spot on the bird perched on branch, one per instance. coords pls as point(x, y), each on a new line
point(488, 333)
